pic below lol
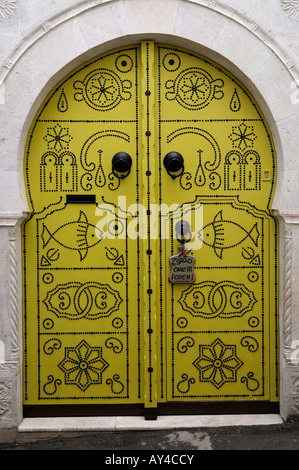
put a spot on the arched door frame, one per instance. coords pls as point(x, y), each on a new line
point(62, 42)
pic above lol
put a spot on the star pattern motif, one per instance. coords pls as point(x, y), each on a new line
point(217, 363)
point(83, 365)
point(102, 89)
point(195, 87)
point(58, 138)
point(242, 136)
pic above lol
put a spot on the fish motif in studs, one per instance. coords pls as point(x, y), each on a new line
point(224, 234)
point(78, 235)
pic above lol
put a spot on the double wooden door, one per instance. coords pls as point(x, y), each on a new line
point(103, 322)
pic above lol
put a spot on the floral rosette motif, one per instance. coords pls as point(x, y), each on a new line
point(102, 89)
point(194, 88)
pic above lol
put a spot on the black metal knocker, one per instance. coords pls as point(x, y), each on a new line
point(174, 164)
point(183, 232)
point(121, 165)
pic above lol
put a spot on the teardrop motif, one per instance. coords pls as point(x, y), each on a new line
point(235, 103)
point(62, 104)
point(200, 178)
point(100, 179)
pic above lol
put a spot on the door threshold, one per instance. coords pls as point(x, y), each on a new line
point(135, 423)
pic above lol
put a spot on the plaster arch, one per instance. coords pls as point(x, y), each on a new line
point(62, 42)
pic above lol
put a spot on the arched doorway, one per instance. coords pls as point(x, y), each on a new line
point(108, 320)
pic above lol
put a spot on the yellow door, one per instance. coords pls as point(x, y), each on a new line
point(221, 329)
point(150, 254)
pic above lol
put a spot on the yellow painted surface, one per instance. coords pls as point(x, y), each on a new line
point(102, 322)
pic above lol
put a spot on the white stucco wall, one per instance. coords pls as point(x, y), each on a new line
point(41, 40)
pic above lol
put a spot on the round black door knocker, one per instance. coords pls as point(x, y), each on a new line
point(174, 164)
point(121, 165)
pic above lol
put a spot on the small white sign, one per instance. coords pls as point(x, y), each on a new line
point(182, 267)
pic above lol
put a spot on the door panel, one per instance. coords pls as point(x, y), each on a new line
point(82, 321)
point(102, 322)
point(218, 328)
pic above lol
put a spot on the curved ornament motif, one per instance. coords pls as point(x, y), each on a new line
point(184, 385)
point(250, 343)
point(210, 166)
point(75, 300)
point(51, 345)
point(115, 344)
point(251, 382)
point(50, 387)
point(194, 88)
point(224, 299)
point(91, 166)
point(185, 343)
point(87, 151)
point(116, 385)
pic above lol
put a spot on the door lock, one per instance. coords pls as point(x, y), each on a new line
point(174, 164)
point(183, 231)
